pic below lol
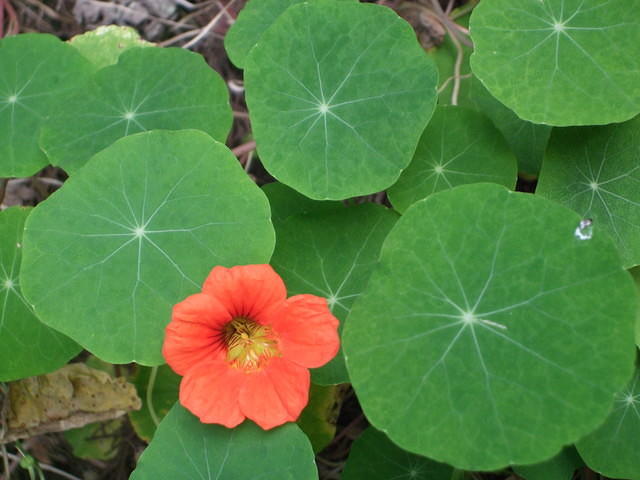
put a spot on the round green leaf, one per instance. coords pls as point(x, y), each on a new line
point(253, 20)
point(331, 255)
point(27, 346)
point(374, 457)
point(527, 140)
point(613, 448)
point(185, 448)
point(149, 88)
point(560, 467)
point(479, 316)
point(596, 172)
point(328, 86)
point(134, 232)
point(458, 146)
point(103, 46)
point(35, 70)
point(165, 390)
point(579, 59)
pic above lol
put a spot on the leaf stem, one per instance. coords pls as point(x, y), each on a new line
point(49, 468)
point(150, 386)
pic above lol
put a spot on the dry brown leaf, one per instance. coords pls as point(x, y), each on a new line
point(67, 398)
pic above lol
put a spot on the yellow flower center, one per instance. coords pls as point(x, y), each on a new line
point(249, 344)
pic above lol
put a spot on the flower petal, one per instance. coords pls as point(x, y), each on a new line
point(246, 290)
point(307, 331)
point(194, 333)
point(211, 391)
point(276, 394)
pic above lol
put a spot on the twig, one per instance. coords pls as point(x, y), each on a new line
point(150, 386)
point(185, 4)
point(459, 52)
point(177, 38)
point(249, 162)
point(448, 80)
point(49, 12)
point(456, 68)
point(244, 148)
point(207, 28)
point(449, 7)
point(49, 468)
point(345, 430)
point(13, 26)
point(230, 18)
point(54, 182)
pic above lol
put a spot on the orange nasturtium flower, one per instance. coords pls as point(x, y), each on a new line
point(244, 348)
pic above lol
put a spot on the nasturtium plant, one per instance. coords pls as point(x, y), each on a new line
point(286, 202)
point(135, 231)
point(560, 467)
point(253, 20)
point(527, 140)
point(158, 389)
point(461, 333)
point(596, 172)
point(613, 448)
point(318, 419)
point(458, 146)
point(560, 62)
point(149, 88)
point(35, 70)
point(185, 448)
point(332, 255)
point(103, 46)
point(328, 85)
point(27, 346)
point(374, 457)
point(390, 279)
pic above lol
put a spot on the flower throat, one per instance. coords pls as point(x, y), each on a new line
point(249, 344)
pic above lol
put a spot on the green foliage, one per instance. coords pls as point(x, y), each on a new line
point(326, 95)
point(133, 244)
point(479, 326)
point(331, 255)
point(613, 448)
point(560, 467)
point(527, 140)
point(27, 346)
point(185, 448)
point(458, 146)
point(476, 292)
point(254, 19)
point(579, 59)
point(374, 457)
point(595, 171)
point(149, 88)
point(318, 419)
point(164, 394)
point(35, 70)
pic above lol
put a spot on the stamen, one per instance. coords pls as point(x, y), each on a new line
point(249, 344)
